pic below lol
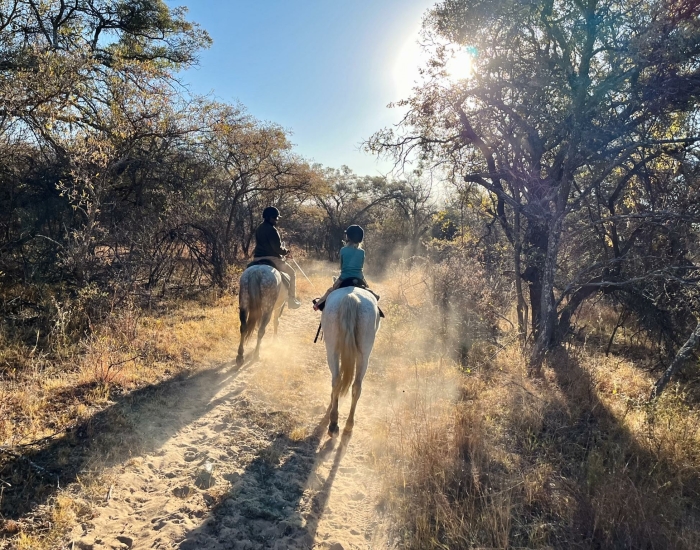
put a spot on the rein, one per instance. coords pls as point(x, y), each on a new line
point(305, 277)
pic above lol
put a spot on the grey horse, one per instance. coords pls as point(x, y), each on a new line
point(350, 323)
point(262, 297)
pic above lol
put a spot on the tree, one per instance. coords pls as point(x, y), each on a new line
point(90, 115)
point(56, 57)
point(415, 201)
point(347, 199)
point(253, 164)
point(572, 105)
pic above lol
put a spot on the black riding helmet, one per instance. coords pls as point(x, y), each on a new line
point(270, 212)
point(355, 233)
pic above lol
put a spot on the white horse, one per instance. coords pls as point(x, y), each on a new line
point(350, 322)
point(262, 297)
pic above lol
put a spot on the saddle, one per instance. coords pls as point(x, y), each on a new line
point(359, 283)
point(270, 263)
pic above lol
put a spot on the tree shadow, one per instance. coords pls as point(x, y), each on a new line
point(134, 424)
point(280, 498)
point(624, 494)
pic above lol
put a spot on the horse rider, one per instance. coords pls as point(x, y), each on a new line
point(268, 246)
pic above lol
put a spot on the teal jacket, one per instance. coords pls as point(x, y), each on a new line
point(352, 260)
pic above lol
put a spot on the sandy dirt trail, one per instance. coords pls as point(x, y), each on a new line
point(240, 457)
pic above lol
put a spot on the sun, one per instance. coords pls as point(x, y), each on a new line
point(460, 64)
point(412, 57)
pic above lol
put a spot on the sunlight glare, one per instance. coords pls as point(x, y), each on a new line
point(406, 72)
point(412, 57)
point(459, 66)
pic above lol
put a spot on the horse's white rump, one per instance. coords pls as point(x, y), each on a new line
point(350, 322)
point(262, 297)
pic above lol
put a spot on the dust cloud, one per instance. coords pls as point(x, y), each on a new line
point(249, 464)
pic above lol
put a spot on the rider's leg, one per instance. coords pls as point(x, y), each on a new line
point(368, 289)
point(322, 299)
point(293, 302)
point(289, 270)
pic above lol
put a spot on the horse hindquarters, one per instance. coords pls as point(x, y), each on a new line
point(249, 308)
point(340, 328)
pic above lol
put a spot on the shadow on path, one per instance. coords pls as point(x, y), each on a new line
point(280, 498)
point(136, 423)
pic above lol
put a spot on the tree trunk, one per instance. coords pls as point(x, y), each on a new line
point(690, 345)
point(548, 310)
point(537, 240)
point(534, 280)
point(577, 298)
point(522, 306)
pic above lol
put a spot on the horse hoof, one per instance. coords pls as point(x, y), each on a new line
point(333, 430)
point(239, 360)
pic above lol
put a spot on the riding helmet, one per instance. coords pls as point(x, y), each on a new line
point(355, 233)
point(270, 212)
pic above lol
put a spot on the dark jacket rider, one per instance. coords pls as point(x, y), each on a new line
point(268, 246)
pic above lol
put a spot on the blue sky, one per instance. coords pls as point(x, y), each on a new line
point(323, 69)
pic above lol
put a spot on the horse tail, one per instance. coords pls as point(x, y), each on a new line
point(348, 314)
point(251, 316)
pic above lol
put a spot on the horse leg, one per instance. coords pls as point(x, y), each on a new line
point(261, 332)
point(333, 428)
point(334, 364)
point(360, 369)
point(276, 319)
point(243, 316)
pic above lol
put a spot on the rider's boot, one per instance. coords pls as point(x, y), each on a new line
point(293, 303)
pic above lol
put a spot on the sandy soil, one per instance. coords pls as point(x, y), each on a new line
point(240, 458)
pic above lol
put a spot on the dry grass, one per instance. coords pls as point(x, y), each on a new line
point(577, 460)
point(43, 396)
point(58, 393)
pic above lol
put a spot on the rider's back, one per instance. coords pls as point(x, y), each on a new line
point(352, 261)
point(267, 241)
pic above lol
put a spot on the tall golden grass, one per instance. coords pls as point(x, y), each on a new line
point(576, 460)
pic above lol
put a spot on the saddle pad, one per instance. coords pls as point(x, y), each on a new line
point(323, 305)
point(261, 262)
